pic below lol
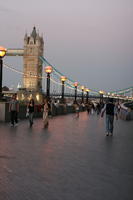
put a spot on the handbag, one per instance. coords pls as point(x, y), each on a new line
point(27, 112)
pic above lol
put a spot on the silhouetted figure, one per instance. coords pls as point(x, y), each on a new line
point(76, 106)
point(30, 110)
point(98, 108)
point(88, 108)
point(111, 110)
point(14, 109)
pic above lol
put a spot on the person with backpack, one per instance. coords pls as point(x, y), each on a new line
point(111, 111)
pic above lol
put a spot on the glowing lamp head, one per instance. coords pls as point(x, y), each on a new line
point(76, 84)
point(101, 92)
point(82, 87)
point(63, 78)
point(2, 52)
point(87, 90)
point(48, 69)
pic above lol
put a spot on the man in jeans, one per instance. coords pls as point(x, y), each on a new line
point(111, 110)
point(14, 109)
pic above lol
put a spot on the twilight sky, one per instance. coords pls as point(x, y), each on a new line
point(90, 41)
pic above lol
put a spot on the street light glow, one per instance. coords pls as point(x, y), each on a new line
point(82, 87)
point(63, 78)
point(48, 69)
point(2, 51)
point(76, 84)
point(87, 90)
point(101, 92)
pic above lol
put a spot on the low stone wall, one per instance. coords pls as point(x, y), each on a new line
point(126, 113)
point(64, 109)
point(2, 111)
point(56, 110)
point(5, 114)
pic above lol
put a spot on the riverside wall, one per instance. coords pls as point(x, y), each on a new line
point(60, 109)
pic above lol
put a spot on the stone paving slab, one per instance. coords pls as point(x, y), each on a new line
point(72, 160)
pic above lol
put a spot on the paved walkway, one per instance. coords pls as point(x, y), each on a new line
point(72, 160)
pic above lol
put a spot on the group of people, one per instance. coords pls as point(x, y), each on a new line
point(14, 109)
point(109, 108)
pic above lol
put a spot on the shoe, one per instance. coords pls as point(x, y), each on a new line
point(111, 134)
point(107, 134)
point(12, 125)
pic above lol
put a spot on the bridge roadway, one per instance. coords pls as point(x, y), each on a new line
point(72, 160)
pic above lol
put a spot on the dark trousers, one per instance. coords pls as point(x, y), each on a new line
point(14, 117)
point(31, 115)
point(109, 123)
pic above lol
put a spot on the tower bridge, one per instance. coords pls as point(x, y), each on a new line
point(73, 152)
point(32, 73)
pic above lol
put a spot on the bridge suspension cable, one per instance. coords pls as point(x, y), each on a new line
point(69, 82)
point(123, 91)
point(34, 76)
point(55, 78)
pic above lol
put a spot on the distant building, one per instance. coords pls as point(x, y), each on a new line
point(33, 49)
point(5, 88)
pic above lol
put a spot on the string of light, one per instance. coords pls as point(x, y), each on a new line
point(68, 83)
point(34, 76)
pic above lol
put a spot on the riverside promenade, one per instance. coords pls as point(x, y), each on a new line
point(71, 160)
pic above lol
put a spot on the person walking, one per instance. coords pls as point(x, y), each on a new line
point(76, 106)
point(88, 107)
point(14, 109)
point(30, 110)
point(98, 108)
point(111, 110)
point(45, 113)
point(49, 108)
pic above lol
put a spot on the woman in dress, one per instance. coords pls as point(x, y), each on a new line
point(76, 110)
point(45, 113)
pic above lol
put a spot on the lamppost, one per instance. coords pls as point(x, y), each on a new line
point(63, 79)
point(87, 94)
point(2, 54)
point(75, 85)
point(82, 88)
point(48, 70)
point(109, 94)
point(101, 92)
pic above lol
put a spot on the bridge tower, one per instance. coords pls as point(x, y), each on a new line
point(33, 49)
